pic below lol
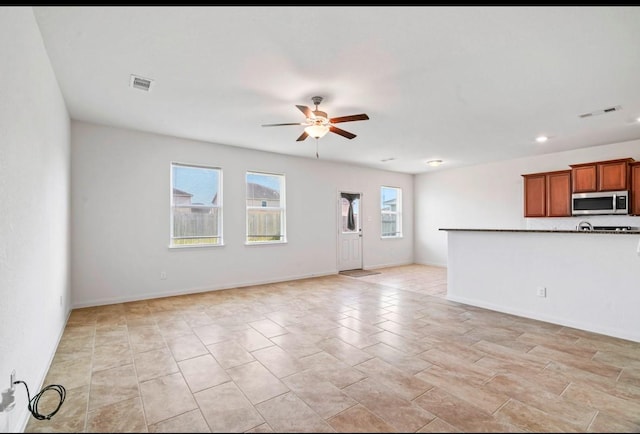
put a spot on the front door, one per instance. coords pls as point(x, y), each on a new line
point(349, 231)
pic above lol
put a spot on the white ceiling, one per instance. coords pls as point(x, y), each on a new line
point(463, 84)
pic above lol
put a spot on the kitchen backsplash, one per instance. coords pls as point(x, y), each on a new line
point(570, 223)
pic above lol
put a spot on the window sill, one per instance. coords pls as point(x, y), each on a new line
point(392, 238)
point(266, 243)
point(195, 246)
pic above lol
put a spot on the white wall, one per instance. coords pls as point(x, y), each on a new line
point(591, 279)
point(34, 210)
point(120, 217)
point(491, 196)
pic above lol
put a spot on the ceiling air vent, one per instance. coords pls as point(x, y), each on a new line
point(601, 112)
point(141, 83)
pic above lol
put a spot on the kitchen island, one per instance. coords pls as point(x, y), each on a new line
point(588, 280)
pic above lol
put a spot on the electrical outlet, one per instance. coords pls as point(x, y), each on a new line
point(163, 275)
point(541, 291)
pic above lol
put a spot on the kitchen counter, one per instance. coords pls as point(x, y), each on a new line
point(588, 281)
point(552, 231)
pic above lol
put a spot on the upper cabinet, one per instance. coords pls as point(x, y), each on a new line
point(535, 195)
point(547, 194)
point(608, 175)
point(559, 193)
point(584, 177)
point(634, 207)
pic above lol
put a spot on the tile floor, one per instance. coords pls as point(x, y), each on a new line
point(380, 353)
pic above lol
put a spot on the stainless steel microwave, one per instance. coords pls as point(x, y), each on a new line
point(600, 202)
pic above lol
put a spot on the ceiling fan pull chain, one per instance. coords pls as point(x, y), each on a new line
point(317, 156)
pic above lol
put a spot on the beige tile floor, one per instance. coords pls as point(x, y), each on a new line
point(379, 353)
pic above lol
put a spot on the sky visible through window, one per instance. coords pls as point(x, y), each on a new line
point(201, 182)
point(264, 179)
point(388, 194)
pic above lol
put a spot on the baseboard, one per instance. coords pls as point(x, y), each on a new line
point(616, 333)
point(432, 264)
point(195, 290)
point(393, 264)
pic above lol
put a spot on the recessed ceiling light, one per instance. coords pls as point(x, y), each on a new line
point(384, 160)
point(542, 139)
point(434, 163)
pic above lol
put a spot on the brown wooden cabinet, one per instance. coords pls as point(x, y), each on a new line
point(547, 194)
point(634, 205)
point(584, 178)
point(535, 195)
point(608, 175)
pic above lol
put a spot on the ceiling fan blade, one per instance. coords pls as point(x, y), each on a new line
point(360, 117)
point(306, 110)
point(343, 133)
point(277, 125)
point(303, 136)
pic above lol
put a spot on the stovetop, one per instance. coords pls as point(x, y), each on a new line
point(614, 228)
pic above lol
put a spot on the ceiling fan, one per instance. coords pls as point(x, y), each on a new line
point(318, 123)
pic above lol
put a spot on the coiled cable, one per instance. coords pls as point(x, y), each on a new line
point(33, 402)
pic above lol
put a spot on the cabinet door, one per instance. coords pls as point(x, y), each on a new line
point(613, 176)
point(584, 178)
point(535, 195)
point(559, 194)
point(635, 189)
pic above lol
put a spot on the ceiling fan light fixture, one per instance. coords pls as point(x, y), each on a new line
point(318, 123)
point(317, 131)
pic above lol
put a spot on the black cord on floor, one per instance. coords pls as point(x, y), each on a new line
point(33, 402)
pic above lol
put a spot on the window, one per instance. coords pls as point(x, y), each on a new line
point(196, 205)
point(265, 208)
point(350, 204)
point(391, 210)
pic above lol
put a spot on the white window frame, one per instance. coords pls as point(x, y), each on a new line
point(172, 243)
point(282, 208)
point(397, 213)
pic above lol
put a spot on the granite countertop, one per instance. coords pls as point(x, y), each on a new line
point(553, 231)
